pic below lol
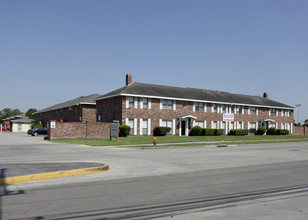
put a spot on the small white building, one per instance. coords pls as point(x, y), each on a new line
point(19, 123)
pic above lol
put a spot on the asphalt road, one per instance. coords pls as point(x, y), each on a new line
point(167, 196)
point(238, 182)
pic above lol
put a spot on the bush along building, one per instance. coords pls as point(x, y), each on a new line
point(145, 106)
point(81, 109)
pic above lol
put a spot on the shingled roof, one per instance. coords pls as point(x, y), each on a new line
point(192, 94)
point(86, 100)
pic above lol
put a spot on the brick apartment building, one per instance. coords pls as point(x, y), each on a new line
point(144, 107)
point(81, 109)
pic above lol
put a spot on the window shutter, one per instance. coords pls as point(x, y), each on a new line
point(161, 104)
point(141, 126)
point(205, 107)
point(135, 126)
point(174, 105)
point(204, 124)
point(160, 122)
point(149, 104)
point(141, 103)
point(194, 107)
point(127, 102)
point(257, 110)
point(126, 121)
point(135, 102)
point(149, 126)
point(193, 123)
point(173, 126)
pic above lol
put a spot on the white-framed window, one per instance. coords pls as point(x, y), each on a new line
point(224, 108)
point(232, 109)
point(273, 112)
point(200, 123)
point(240, 125)
point(214, 108)
point(131, 125)
point(131, 102)
point(252, 111)
point(167, 104)
point(167, 123)
point(283, 126)
point(145, 103)
point(215, 124)
point(144, 126)
point(240, 109)
point(272, 125)
point(199, 107)
point(232, 125)
point(252, 126)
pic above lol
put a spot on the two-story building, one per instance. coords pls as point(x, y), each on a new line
point(77, 110)
point(145, 106)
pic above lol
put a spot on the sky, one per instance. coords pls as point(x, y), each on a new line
point(53, 51)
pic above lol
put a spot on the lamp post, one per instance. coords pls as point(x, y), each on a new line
point(297, 107)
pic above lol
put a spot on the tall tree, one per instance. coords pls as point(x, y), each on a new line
point(7, 112)
point(30, 112)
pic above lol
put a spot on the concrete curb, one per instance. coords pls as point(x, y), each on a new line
point(51, 175)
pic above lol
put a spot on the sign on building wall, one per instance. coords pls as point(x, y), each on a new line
point(228, 117)
point(53, 124)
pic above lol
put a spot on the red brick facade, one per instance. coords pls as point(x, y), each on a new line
point(79, 129)
point(116, 109)
point(78, 113)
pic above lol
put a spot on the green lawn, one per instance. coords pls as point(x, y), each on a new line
point(183, 141)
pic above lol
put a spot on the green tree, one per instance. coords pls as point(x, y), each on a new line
point(7, 112)
point(30, 112)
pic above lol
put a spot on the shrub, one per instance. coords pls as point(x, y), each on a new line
point(124, 130)
point(208, 132)
point(271, 131)
point(161, 131)
point(282, 132)
point(219, 132)
point(196, 131)
point(36, 126)
point(261, 131)
point(239, 132)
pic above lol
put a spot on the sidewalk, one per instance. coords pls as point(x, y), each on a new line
point(24, 172)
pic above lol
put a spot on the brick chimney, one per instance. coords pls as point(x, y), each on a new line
point(265, 95)
point(129, 79)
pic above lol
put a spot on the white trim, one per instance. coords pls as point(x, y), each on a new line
point(135, 126)
point(141, 126)
point(141, 103)
point(149, 103)
point(173, 126)
point(192, 100)
point(127, 102)
point(149, 126)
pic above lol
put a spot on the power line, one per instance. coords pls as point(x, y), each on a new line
point(31, 97)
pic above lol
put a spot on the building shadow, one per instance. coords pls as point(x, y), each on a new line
point(4, 190)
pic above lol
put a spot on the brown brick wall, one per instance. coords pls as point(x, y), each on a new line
point(73, 114)
point(79, 129)
point(303, 130)
point(186, 108)
point(109, 109)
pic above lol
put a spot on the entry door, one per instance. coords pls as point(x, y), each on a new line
point(183, 127)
